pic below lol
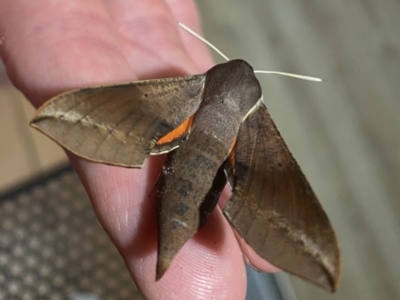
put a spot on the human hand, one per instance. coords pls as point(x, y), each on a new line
point(53, 46)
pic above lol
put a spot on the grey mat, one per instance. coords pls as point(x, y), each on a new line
point(53, 247)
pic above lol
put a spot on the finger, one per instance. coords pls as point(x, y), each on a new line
point(152, 44)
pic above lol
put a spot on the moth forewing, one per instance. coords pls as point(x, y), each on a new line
point(120, 124)
point(274, 208)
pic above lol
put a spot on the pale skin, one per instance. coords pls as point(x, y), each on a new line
point(52, 46)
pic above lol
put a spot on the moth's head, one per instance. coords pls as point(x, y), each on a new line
point(236, 80)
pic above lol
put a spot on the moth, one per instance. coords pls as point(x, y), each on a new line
point(216, 129)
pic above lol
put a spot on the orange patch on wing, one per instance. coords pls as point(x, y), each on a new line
point(177, 132)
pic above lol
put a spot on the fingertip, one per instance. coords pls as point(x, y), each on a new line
point(210, 265)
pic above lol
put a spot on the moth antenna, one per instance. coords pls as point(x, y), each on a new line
point(309, 78)
point(256, 71)
point(203, 40)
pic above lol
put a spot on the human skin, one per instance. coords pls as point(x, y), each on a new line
point(53, 46)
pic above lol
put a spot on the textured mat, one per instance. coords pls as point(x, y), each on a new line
point(53, 247)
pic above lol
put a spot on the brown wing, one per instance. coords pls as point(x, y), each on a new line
point(274, 208)
point(120, 124)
